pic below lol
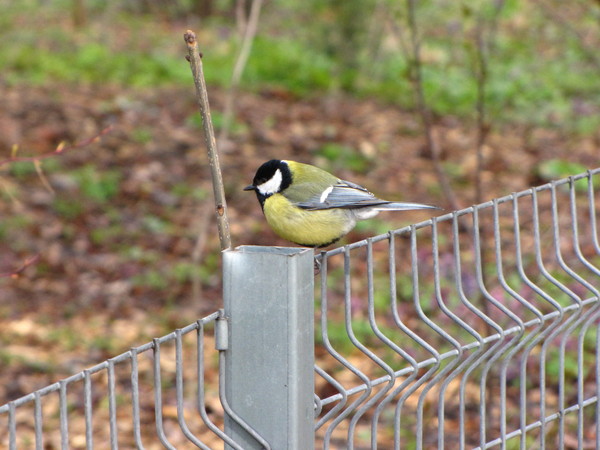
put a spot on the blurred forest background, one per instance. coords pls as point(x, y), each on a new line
point(106, 243)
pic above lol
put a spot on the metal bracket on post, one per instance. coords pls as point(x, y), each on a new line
point(269, 304)
point(221, 332)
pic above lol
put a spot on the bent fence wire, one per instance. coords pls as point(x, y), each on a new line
point(476, 329)
point(480, 329)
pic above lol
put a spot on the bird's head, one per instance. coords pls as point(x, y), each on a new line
point(272, 177)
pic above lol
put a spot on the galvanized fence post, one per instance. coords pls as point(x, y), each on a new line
point(268, 298)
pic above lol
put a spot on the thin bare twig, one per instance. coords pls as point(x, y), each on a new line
point(240, 17)
point(484, 45)
point(38, 168)
point(481, 74)
point(60, 149)
point(195, 60)
point(416, 77)
point(250, 27)
point(14, 274)
point(485, 30)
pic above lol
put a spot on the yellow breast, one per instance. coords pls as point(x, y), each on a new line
point(308, 228)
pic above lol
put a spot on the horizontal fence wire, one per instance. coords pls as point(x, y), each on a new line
point(476, 329)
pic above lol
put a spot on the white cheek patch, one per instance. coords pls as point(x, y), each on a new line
point(325, 194)
point(271, 186)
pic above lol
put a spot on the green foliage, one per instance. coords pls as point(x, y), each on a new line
point(183, 271)
point(177, 272)
point(187, 190)
point(66, 336)
point(537, 72)
point(570, 361)
point(289, 64)
point(338, 335)
point(63, 57)
point(13, 222)
point(340, 31)
point(24, 169)
point(67, 208)
point(150, 278)
point(373, 227)
point(553, 169)
point(106, 343)
point(106, 234)
point(140, 254)
point(21, 169)
point(30, 364)
point(98, 186)
point(155, 224)
point(142, 135)
point(342, 156)
point(361, 328)
point(195, 120)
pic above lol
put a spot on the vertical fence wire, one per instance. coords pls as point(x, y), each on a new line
point(38, 421)
point(87, 409)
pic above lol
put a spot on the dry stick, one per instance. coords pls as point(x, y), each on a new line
point(195, 60)
point(483, 47)
point(249, 32)
point(416, 77)
point(15, 273)
point(481, 74)
point(79, 13)
point(240, 17)
point(36, 160)
point(374, 38)
point(60, 149)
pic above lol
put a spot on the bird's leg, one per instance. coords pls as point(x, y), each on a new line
point(317, 262)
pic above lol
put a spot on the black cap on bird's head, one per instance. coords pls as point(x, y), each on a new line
point(272, 177)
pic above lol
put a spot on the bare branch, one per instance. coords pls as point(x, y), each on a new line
point(240, 17)
point(416, 77)
point(60, 149)
point(38, 168)
point(15, 273)
point(249, 33)
point(481, 73)
point(484, 44)
point(213, 157)
point(485, 31)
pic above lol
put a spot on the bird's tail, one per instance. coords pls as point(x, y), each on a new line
point(402, 206)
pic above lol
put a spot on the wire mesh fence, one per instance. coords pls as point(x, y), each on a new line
point(162, 394)
point(476, 329)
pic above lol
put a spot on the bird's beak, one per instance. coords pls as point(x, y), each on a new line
point(250, 187)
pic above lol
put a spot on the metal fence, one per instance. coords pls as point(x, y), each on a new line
point(476, 329)
point(481, 324)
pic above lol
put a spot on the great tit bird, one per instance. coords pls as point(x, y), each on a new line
point(311, 207)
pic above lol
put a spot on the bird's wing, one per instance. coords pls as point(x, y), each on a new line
point(345, 195)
